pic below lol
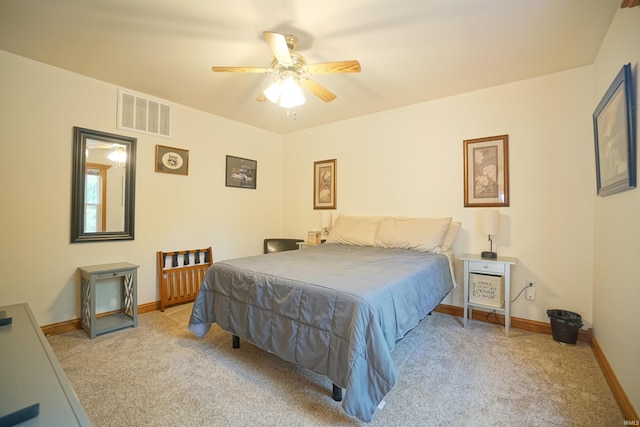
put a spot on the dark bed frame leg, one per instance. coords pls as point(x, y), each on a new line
point(337, 393)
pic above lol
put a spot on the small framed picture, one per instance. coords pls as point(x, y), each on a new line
point(172, 160)
point(324, 184)
point(486, 172)
point(241, 173)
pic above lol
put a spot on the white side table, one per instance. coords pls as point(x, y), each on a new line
point(127, 316)
point(497, 267)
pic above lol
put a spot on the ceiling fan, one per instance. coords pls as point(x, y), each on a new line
point(293, 71)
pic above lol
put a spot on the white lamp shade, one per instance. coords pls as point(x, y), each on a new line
point(273, 91)
point(490, 222)
point(291, 95)
point(325, 219)
point(118, 155)
point(285, 92)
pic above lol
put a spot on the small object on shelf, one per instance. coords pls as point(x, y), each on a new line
point(487, 289)
point(314, 237)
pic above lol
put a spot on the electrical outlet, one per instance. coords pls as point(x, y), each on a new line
point(530, 292)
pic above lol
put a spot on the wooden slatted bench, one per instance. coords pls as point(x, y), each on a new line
point(180, 274)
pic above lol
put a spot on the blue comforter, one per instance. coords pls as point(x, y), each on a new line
point(337, 310)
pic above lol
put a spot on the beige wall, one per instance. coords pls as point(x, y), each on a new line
point(616, 265)
point(409, 161)
point(406, 161)
point(39, 105)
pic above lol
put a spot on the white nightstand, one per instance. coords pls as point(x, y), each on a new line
point(495, 269)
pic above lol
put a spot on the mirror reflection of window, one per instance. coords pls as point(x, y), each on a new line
point(103, 187)
point(95, 206)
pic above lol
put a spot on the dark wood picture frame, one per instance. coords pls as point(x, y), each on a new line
point(614, 131)
point(241, 173)
point(486, 171)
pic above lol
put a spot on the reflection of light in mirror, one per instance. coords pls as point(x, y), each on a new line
point(118, 155)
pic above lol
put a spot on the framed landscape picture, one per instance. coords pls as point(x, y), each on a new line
point(241, 173)
point(486, 172)
point(324, 184)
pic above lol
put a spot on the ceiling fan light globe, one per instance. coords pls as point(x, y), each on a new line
point(274, 91)
point(292, 101)
point(118, 155)
point(291, 95)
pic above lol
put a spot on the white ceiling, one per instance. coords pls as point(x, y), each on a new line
point(410, 51)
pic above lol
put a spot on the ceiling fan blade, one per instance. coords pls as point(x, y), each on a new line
point(334, 67)
point(318, 90)
point(278, 45)
point(242, 70)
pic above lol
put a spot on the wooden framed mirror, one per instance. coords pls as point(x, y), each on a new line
point(103, 186)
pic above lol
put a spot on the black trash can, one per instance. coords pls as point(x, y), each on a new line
point(565, 325)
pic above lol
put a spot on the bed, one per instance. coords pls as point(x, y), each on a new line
point(337, 309)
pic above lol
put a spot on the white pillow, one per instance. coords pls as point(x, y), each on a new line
point(354, 230)
point(451, 235)
point(420, 234)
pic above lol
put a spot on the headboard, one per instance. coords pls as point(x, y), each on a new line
point(180, 274)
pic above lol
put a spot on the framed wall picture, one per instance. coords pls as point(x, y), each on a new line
point(486, 172)
point(241, 173)
point(324, 184)
point(614, 131)
point(172, 160)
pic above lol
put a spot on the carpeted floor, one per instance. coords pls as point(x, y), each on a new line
point(159, 374)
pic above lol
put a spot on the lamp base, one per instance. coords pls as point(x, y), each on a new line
point(486, 254)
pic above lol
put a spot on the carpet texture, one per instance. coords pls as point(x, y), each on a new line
point(159, 374)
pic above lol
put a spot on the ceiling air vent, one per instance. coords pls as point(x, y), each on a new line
point(143, 114)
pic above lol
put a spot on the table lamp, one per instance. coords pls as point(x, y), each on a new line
point(325, 222)
point(490, 226)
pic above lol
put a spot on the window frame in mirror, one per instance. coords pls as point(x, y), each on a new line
point(78, 233)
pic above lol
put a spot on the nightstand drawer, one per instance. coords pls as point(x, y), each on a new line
point(486, 267)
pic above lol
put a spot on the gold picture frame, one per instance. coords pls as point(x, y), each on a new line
point(324, 184)
point(486, 171)
point(172, 160)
